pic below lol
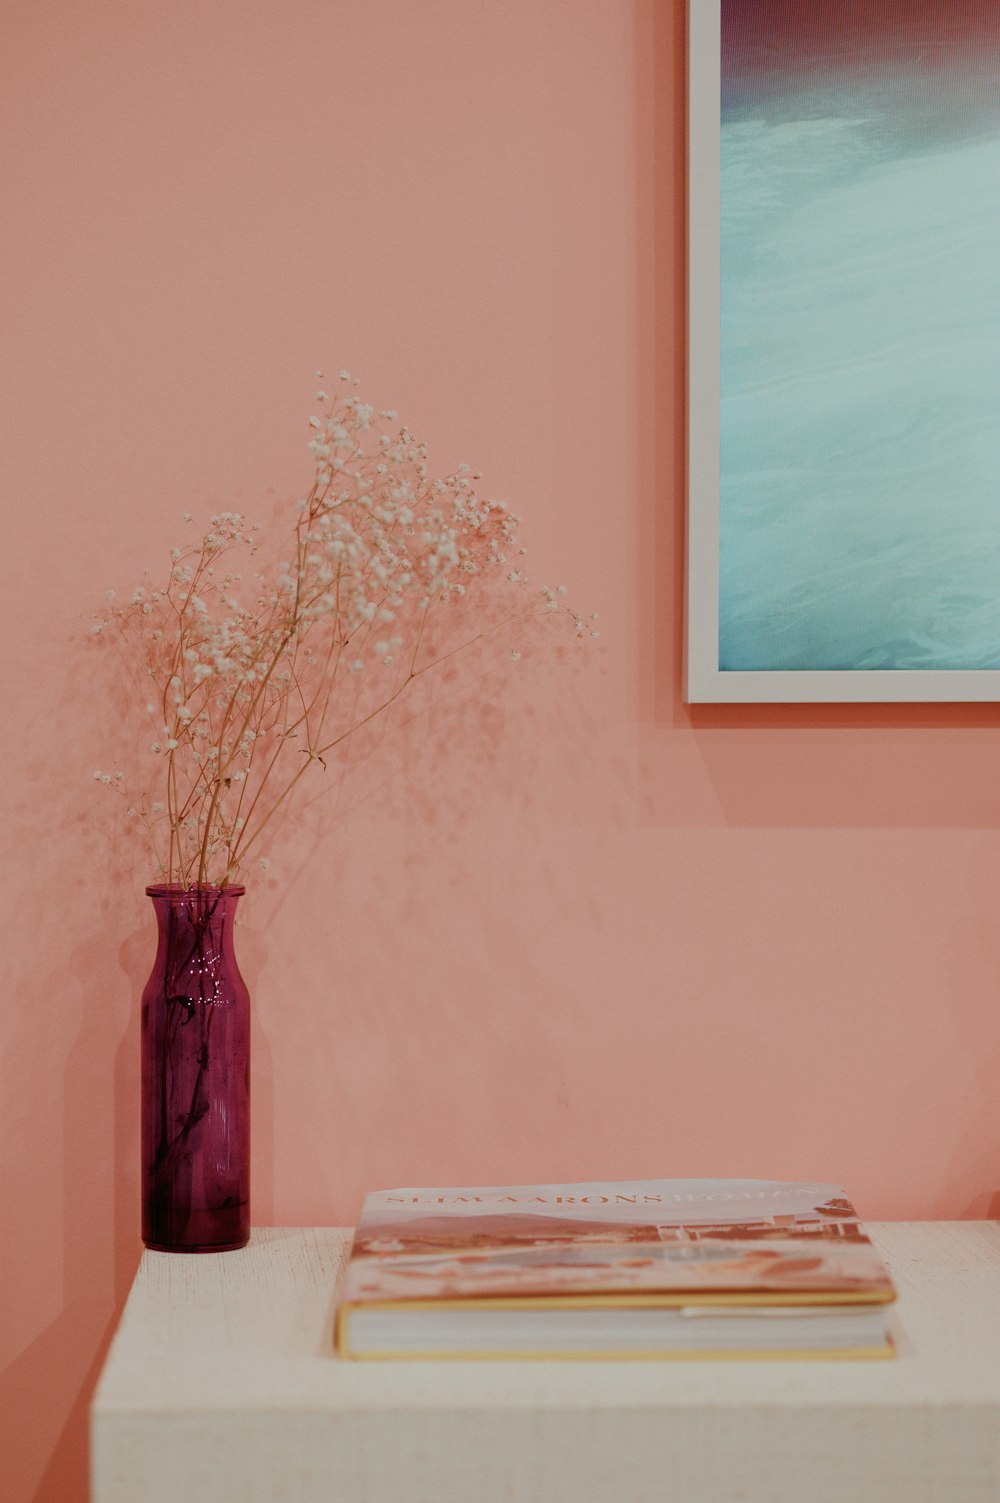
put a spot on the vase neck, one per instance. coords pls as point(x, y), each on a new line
point(195, 925)
point(199, 904)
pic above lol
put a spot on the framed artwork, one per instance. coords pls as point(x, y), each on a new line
point(844, 336)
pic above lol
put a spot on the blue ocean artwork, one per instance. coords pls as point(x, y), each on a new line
point(860, 338)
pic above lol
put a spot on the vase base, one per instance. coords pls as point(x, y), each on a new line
point(223, 1228)
point(198, 1247)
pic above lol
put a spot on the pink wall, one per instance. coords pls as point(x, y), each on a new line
point(582, 931)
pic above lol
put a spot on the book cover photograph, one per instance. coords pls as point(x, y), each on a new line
point(766, 1248)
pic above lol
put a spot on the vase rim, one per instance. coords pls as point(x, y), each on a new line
point(193, 889)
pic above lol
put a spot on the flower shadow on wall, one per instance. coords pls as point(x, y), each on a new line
point(394, 857)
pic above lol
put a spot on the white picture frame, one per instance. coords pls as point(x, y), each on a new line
point(705, 679)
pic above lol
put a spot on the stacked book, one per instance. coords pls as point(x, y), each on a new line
point(645, 1269)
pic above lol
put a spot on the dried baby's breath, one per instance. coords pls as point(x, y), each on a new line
point(250, 674)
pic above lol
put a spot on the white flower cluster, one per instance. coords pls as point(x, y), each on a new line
point(251, 674)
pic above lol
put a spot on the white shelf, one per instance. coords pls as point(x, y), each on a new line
point(221, 1385)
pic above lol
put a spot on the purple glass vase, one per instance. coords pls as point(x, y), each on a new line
point(195, 1077)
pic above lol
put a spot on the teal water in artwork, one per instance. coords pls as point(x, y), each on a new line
point(860, 361)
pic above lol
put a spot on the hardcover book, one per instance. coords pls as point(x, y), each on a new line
point(643, 1268)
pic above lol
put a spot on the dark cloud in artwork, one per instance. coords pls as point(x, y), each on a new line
point(930, 69)
point(809, 38)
